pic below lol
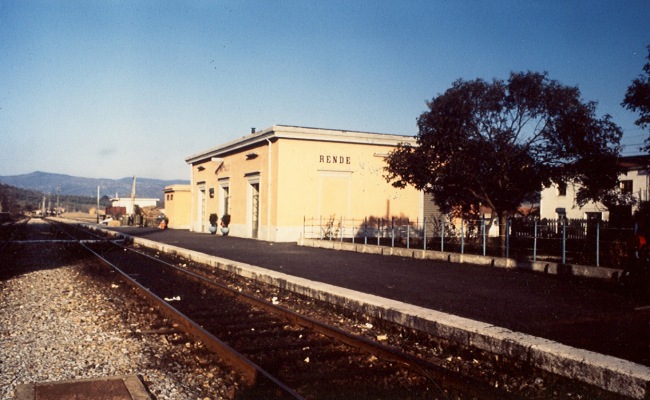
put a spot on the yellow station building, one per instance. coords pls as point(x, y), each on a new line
point(271, 181)
point(178, 203)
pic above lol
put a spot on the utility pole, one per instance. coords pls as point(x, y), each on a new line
point(133, 216)
point(97, 211)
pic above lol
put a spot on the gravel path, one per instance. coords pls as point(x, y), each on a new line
point(56, 324)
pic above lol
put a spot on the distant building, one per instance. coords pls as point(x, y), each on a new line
point(272, 180)
point(128, 204)
point(178, 200)
point(635, 180)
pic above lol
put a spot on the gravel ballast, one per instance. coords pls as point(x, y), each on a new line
point(57, 324)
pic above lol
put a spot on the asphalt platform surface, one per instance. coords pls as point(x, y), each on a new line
point(586, 314)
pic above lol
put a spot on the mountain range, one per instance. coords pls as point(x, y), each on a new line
point(73, 185)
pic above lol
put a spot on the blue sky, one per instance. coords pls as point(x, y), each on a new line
point(111, 89)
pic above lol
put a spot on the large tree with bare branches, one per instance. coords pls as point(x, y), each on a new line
point(498, 143)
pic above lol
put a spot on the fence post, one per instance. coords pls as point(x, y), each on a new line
point(424, 235)
point(483, 233)
point(535, 242)
point(392, 232)
point(365, 230)
point(408, 235)
point(563, 240)
point(598, 244)
point(379, 223)
point(508, 238)
point(330, 227)
point(462, 236)
point(442, 234)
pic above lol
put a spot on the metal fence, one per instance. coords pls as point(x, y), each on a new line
point(568, 241)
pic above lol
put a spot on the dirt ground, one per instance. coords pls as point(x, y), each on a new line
point(81, 216)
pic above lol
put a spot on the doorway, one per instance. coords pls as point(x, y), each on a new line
point(202, 209)
point(255, 210)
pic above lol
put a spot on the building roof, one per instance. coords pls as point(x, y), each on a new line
point(301, 133)
point(149, 199)
point(634, 162)
point(177, 188)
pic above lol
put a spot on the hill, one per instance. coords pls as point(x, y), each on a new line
point(16, 200)
point(49, 183)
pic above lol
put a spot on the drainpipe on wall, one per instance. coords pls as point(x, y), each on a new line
point(268, 194)
point(192, 200)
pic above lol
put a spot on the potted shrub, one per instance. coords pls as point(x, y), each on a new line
point(213, 223)
point(225, 221)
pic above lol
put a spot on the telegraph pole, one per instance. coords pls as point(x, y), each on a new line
point(97, 212)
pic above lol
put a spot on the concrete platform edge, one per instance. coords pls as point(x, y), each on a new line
point(610, 373)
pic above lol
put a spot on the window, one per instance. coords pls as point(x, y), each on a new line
point(561, 189)
point(626, 187)
point(594, 216)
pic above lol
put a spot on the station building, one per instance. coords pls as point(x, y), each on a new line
point(271, 181)
point(178, 202)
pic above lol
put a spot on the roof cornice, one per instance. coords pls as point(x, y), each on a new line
point(301, 133)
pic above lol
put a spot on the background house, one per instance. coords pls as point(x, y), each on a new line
point(272, 180)
point(635, 180)
point(129, 204)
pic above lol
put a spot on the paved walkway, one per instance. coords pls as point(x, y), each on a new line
point(584, 314)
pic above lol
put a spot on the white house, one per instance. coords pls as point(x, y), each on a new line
point(128, 203)
point(635, 180)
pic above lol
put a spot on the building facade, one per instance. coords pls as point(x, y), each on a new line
point(635, 181)
point(270, 181)
point(178, 202)
point(129, 203)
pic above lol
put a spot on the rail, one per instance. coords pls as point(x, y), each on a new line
point(254, 374)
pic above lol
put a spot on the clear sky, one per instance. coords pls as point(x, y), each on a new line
point(112, 89)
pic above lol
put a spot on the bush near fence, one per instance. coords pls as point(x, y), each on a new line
point(586, 242)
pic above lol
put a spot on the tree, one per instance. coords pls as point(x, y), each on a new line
point(637, 99)
point(497, 144)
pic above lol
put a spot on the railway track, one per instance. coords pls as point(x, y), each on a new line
point(281, 354)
